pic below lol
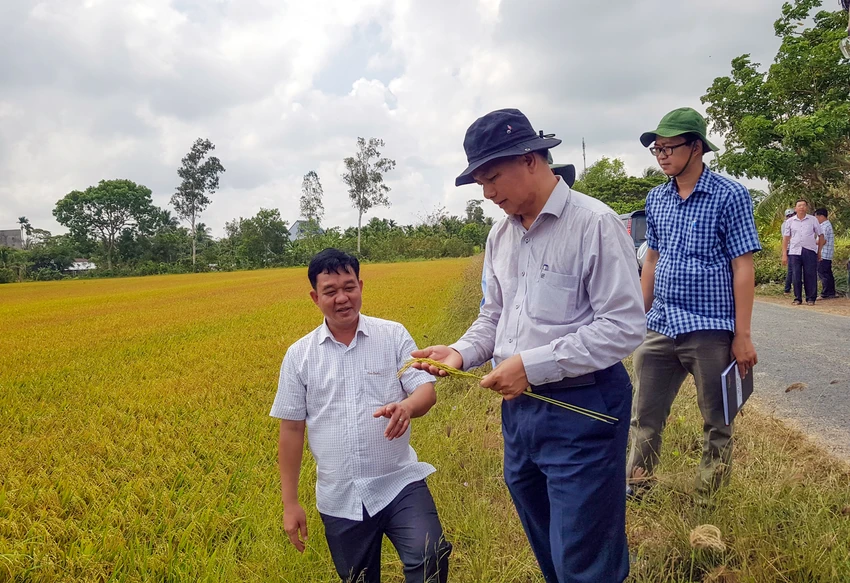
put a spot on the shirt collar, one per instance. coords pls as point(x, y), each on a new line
point(704, 183)
point(325, 332)
point(556, 203)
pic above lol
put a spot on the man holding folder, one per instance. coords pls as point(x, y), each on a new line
point(698, 287)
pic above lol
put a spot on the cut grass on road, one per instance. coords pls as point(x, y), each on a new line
point(135, 445)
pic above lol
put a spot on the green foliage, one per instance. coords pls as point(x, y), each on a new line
point(790, 125)
point(364, 176)
point(606, 180)
point(312, 208)
point(199, 173)
point(103, 212)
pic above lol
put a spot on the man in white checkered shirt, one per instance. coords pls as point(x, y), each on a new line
point(339, 381)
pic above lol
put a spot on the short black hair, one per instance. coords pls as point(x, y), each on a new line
point(822, 212)
point(331, 260)
point(801, 200)
point(692, 137)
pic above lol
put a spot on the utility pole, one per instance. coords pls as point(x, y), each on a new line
point(584, 155)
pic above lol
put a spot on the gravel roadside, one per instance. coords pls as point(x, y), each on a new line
point(803, 374)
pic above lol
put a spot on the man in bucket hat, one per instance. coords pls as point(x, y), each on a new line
point(562, 308)
point(698, 284)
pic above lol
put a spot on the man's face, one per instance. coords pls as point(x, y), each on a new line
point(507, 182)
point(820, 218)
point(673, 164)
point(802, 208)
point(339, 297)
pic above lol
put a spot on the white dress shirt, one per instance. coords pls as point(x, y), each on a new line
point(337, 388)
point(565, 294)
point(804, 234)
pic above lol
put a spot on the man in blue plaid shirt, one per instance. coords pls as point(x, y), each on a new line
point(698, 285)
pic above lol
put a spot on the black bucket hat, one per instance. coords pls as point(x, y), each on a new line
point(500, 134)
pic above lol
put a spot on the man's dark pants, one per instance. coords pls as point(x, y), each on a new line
point(826, 278)
point(788, 277)
point(413, 527)
point(566, 475)
point(804, 269)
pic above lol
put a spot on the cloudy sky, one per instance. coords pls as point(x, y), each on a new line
point(100, 89)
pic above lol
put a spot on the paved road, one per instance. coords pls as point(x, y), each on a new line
point(798, 345)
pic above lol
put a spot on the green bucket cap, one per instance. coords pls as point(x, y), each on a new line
point(679, 121)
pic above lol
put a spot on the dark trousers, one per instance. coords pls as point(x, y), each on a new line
point(804, 268)
point(565, 473)
point(827, 280)
point(788, 277)
point(413, 527)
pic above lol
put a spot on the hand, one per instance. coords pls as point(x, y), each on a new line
point(440, 353)
point(745, 353)
point(399, 417)
point(295, 525)
point(508, 379)
point(784, 260)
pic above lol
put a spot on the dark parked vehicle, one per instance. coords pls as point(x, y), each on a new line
point(635, 223)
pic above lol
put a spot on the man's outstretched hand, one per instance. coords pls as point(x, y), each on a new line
point(440, 353)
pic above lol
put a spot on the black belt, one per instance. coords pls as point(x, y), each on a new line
point(584, 380)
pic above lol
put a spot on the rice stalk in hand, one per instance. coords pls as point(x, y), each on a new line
point(453, 372)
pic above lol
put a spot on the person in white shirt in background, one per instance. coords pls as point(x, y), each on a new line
point(340, 382)
point(802, 241)
point(825, 264)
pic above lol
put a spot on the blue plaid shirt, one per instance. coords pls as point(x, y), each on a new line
point(697, 239)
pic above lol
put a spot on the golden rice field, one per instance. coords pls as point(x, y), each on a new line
point(135, 445)
point(135, 442)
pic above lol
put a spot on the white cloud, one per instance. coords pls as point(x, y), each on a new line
point(115, 89)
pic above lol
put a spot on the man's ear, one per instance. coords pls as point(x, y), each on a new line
point(314, 296)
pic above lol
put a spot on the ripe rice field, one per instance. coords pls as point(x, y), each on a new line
point(135, 445)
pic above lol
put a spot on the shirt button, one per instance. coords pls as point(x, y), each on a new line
point(510, 340)
point(526, 240)
point(523, 274)
point(517, 306)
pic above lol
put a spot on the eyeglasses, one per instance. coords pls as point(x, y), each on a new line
point(668, 150)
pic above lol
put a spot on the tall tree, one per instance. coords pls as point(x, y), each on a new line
point(474, 211)
point(312, 208)
point(790, 124)
point(364, 176)
point(200, 174)
point(105, 211)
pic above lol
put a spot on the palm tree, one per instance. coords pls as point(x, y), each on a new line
point(26, 229)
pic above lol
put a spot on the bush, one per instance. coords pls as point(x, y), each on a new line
point(47, 274)
point(769, 268)
point(8, 275)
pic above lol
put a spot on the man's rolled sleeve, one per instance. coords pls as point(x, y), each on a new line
point(739, 225)
point(290, 402)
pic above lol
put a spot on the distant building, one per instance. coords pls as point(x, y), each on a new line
point(296, 231)
point(11, 238)
point(80, 265)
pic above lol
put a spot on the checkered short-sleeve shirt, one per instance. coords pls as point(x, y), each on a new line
point(697, 238)
point(337, 388)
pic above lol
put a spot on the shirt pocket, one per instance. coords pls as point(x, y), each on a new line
point(701, 239)
point(552, 297)
point(381, 386)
